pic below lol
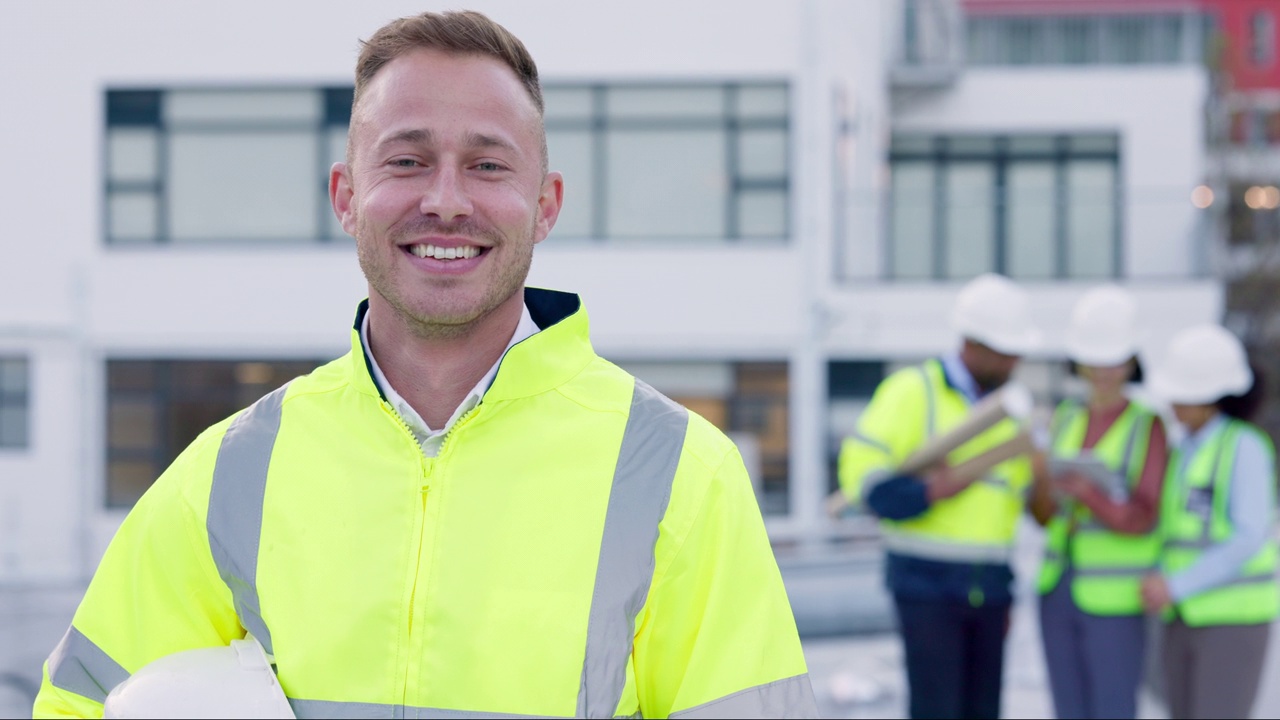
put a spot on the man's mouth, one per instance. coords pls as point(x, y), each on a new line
point(443, 253)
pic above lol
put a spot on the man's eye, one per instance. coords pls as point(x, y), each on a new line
point(404, 162)
point(488, 166)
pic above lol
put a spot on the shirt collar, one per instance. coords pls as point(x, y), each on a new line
point(960, 377)
point(524, 329)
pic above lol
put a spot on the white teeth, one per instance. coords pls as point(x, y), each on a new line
point(442, 253)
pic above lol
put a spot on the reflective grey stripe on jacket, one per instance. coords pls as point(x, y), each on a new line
point(78, 665)
point(789, 698)
point(235, 506)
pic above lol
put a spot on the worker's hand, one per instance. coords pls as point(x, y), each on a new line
point(942, 483)
point(1155, 593)
point(1073, 484)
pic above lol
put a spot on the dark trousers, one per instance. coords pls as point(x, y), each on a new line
point(1094, 663)
point(1213, 672)
point(954, 657)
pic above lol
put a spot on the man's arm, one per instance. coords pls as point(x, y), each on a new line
point(717, 637)
point(882, 440)
point(156, 592)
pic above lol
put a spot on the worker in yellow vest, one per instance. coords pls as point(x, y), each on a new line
point(1109, 455)
point(471, 513)
point(948, 542)
point(1216, 587)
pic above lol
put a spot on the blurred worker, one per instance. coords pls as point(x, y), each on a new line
point(471, 512)
point(1217, 580)
point(948, 541)
point(1099, 541)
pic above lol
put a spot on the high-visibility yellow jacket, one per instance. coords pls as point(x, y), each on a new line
point(581, 546)
point(1107, 567)
point(1194, 516)
point(909, 407)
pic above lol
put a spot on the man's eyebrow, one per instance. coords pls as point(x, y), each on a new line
point(482, 141)
point(413, 137)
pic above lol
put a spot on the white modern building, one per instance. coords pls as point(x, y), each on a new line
point(769, 205)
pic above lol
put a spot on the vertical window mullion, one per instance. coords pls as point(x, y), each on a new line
point(940, 209)
point(1000, 207)
point(600, 145)
point(1061, 203)
point(733, 194)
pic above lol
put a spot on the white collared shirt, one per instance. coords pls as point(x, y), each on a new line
point(429, 439)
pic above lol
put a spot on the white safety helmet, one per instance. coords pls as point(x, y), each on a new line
point(1103, 330)
point(1204, 364)
point(994, 311)
point(214, 682)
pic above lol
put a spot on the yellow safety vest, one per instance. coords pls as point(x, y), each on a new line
point(581, 546)
point(977, 524)
point(1107, 566)
point(1194, 516)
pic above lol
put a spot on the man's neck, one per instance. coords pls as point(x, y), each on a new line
point(434, 374)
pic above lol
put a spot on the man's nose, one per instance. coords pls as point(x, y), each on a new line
point(445, 195)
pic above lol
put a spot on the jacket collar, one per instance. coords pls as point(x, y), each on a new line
point(546, 360)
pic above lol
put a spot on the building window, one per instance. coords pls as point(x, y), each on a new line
point(1084, 39)
point(15, 402)
point(155, 408)
point(1262, 38)
point(225, 165)
point(251, 165)
point(1028, 206)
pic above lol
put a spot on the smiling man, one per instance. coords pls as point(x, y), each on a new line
point(471, 512)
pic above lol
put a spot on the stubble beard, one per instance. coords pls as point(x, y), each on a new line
point(379, 270)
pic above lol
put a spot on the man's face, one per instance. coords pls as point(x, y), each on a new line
point(1109, 378)
point(990, 368)
point(445, 192)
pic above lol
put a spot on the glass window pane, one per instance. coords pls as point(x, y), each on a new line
point(1091, 216)
point(1030, 214)
point(127, 480)
point(666, 102)
point(762, 153)
point(1094, 143)
point(131, 424)
point(132, 154)
point(245, 185)
point(1031, 144)
point(1026, 40)
point(1079, 40)
point(762, 213)
point(13, 376)
point(912, 220)
point(131, 375)
point(763, 101)
point(978, 145)
point(912, 144)
point(13, 426)
point(567, 103)
point(969, 224)
point(571, 154)
point(666, 184)
point(243, 106)
point(132, 216)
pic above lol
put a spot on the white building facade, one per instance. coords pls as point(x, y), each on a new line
point(768, 205)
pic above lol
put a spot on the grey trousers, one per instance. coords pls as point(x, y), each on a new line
point(1094, 662)
point(1213, 672)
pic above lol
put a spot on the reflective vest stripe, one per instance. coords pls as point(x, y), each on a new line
point(642, 480)
point(913, 544)
point(78, 665)
point(871, 442)
point(786, 698)
point(379, 711)
point(235, 506)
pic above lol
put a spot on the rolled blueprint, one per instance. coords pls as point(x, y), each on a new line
point(1013, 400)
point(977, 466)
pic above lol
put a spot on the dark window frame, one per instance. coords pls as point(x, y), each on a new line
point(940, 154)
point(17, 399)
